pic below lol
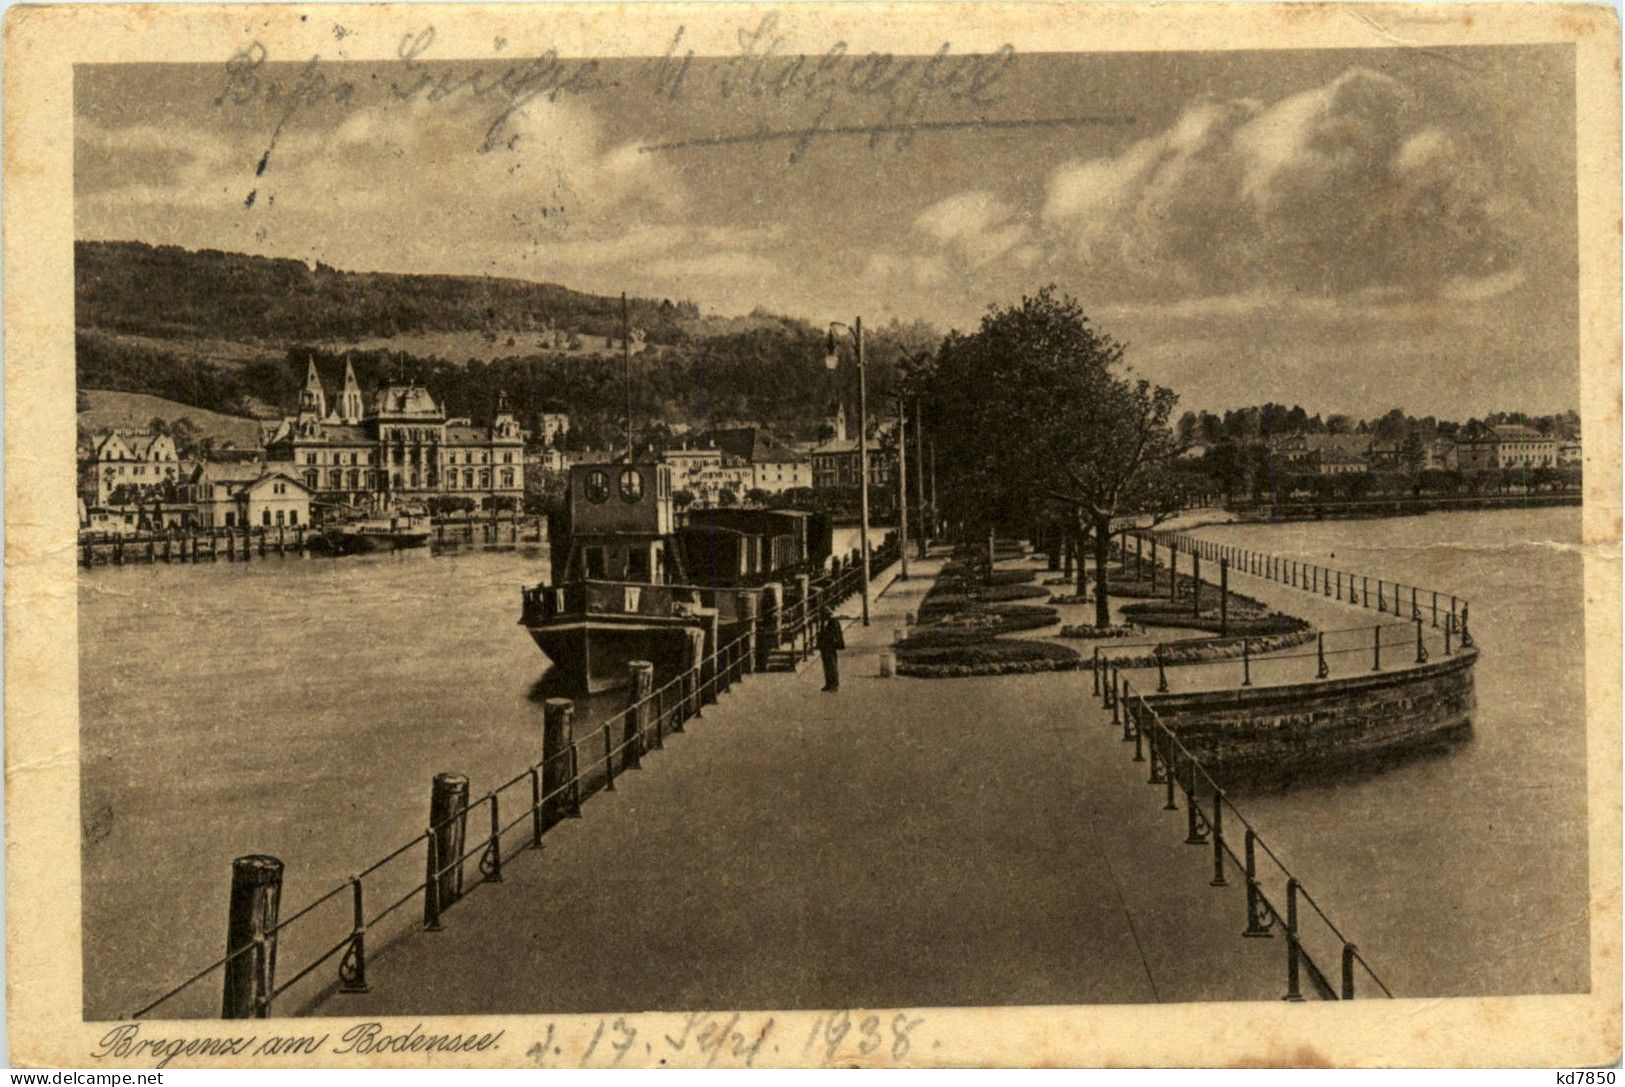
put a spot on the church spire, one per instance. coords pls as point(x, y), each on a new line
point(314, 396)
point(350, 403)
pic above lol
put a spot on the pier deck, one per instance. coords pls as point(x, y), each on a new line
point(901, 843)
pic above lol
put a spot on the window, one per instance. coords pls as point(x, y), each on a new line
point(293, 517)
point(265, 517)
point(485, 477)
point(597, 487)
point(637, 564)
point(279, 518)
point(231, 519)
point(595, 560)
point(631, 486)
point(310, 458)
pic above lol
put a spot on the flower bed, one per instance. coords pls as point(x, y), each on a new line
point(1244, 624)
point(1091, 633)
point(1071, 598)
point(989, 657)
point(1201, 650)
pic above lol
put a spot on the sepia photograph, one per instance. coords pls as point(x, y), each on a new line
point(770, 514)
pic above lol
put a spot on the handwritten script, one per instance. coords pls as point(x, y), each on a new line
point(835, 93)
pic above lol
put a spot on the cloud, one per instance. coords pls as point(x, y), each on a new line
point(1348, 186)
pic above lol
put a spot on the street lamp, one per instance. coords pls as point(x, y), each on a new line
point(832, 361)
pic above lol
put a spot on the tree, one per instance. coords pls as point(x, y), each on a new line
point(1041, 420)
point(727, 497)
point(682, 498)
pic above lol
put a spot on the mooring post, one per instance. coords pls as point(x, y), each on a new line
point(1224, 598)
point(1292, 990)
point(1218, 839)
point(448, 826)
point(251, 918)
point(640, 684)
point(1256, 929)
point(558, 761)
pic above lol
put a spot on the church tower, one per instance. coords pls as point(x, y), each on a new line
point(314, 398)
point(350, 405)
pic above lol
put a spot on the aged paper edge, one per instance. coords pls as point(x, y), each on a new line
point(42, 812)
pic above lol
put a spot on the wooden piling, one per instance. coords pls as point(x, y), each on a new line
point(558, 760)
point(640, 685)
point(251, 918)
point(448, 828)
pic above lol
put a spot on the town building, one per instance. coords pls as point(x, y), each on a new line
point(399, 447)
point(138, 460)
point(554, 426)
point(253, 494)
point(1568, 453)
point(1333, 461)
point(1481, 447)
point(773, 466)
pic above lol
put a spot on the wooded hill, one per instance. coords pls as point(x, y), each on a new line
point(234, 333)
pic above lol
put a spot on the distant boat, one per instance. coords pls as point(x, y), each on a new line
point(390, 533)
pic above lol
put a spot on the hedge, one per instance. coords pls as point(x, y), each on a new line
point(992, 657)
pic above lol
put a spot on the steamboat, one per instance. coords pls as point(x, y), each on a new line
point(636, 585)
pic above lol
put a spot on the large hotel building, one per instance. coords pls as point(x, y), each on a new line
point(399, 448)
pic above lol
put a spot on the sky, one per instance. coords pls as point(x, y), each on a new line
point(1349, 230)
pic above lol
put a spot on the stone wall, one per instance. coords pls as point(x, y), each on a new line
point(1252, 733)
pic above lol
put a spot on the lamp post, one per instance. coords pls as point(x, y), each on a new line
point(902, 488)
point(832, 361)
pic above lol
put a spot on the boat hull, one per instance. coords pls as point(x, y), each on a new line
point(590, 654)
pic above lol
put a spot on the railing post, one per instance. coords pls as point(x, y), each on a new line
point(558, 761)
point(1224, 598)
point(1194, 834)
point(640, 676)
point(1349, 952)
point(1339, 586)
point(536, 827)
point(1218, 839)
point(251, 918)
point(1466, 635)
point(1115, 697)
point(353, 967)
point(448, 824)
point(1293, 992)
point(1376, 648)
point(1256, 929)
point(660, 717)
point(609, 758)
point(1094, 669)
point(1139, 738)
point(1421, 650)
point(1416, 612)
point(1321, 671)
point(491, 863)
point(1162, 675)
point(431, 883)
point(1365, 591)
point(1435, 607)
point(1131, 723)
point(1246, 662)
point(1382, 602)
point(1196, 583)
point(1168, 771)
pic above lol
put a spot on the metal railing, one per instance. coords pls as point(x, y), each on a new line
point(1391, 597)
point(524, 807)
point(1274, 894)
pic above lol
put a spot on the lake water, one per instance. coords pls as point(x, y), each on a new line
point(300, 707)
point(1462, 873)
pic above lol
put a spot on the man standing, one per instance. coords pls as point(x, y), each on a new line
point(830, 642)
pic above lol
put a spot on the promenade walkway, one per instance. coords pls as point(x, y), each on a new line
point(901, 843)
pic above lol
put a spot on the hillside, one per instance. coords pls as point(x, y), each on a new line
point(106, 409)
point(234, 334)
point(166, 291)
